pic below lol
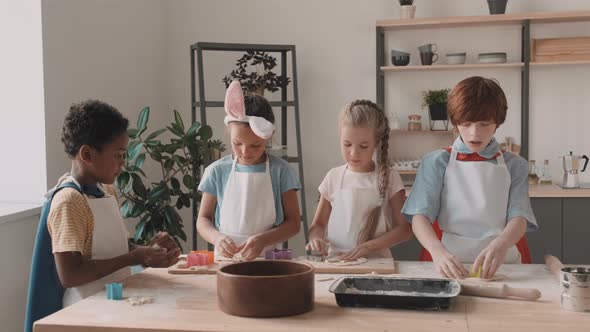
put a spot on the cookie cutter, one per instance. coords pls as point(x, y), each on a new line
point(316, 256)
point(279, 254)
point(200, 258)
point(114, 291)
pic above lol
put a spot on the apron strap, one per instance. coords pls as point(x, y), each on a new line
point(45, 290)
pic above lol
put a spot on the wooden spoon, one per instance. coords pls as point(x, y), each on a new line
point(554, 265)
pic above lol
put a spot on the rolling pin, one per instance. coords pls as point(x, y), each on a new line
point(554, 265)
point(500, 291)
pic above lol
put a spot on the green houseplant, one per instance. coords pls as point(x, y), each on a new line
point(155, 202)
point(254, 72)
point(436, 100)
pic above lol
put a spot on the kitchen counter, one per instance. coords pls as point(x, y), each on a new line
point(548, 191)
point(189, 303)
point(553, 190)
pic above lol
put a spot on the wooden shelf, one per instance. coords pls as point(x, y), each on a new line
point(559, 63)
point(484, 20)
point(451, 67)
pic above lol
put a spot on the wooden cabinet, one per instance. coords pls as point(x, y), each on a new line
point(547, 240)
point(576, 231)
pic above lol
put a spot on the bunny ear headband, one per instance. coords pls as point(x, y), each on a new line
point(236, 112)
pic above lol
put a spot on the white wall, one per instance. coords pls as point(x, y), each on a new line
point(22, 132)
point(110, 50)
point(335, 42)
point(17, 239)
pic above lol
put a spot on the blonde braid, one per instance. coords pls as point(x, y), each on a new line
point(366, 113)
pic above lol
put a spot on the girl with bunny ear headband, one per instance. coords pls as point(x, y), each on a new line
point(249, 201)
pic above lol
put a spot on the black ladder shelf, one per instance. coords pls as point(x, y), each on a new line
point(197, 54)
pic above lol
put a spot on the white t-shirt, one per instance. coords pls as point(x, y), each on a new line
point(356, 180)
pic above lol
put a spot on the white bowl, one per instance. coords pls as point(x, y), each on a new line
point(455, 59)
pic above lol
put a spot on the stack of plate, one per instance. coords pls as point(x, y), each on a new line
point(492, 57)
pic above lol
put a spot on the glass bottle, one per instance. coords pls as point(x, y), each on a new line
point(533, 177)
point(546, 175)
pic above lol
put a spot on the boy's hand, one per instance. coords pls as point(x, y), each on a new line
point(490, 258)
point(319, 245)
point(448, 265)
point(252, 248)
point(356, 253)
point(164, 240)
point(226, 246)
point(155, 257)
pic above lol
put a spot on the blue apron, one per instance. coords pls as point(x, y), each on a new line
point(45, 289)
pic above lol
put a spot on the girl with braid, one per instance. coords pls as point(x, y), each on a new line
point(359, 209)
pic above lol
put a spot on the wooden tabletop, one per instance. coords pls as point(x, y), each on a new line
point(189, 303)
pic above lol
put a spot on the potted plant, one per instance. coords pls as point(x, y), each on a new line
point(156, 201)
point(254, 72)
point(497, 6)
point(436, 100)
point(407, 8)
point(216, 147)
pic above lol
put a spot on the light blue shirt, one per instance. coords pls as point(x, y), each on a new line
point(282, 177)
point(425, 197)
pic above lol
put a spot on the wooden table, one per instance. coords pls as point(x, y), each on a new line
point(189, 303)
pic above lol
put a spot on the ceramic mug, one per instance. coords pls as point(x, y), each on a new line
point(428, 48)
point(428, 58)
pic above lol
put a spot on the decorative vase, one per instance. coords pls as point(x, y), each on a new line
point(497, 6)
point(407, 11)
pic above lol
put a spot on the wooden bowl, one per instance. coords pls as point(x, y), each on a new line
point(265, 288)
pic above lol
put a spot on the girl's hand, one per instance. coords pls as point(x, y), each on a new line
point(490, 259)
point(319, 245)
point(448, 265)
point(251, 249)
point(155, 257)
point(356, 253)
point(226, 246)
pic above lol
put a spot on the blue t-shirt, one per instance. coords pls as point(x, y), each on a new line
point(425, 197)
point(282, 177)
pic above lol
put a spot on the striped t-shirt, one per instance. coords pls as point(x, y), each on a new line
point(70, 221)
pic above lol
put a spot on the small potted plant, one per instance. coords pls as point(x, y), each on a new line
point(254, 72)
point(436, 100)
point(497, 6)
point(216, 147)
point(407, 8)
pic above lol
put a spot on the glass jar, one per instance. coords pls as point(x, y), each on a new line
point(546, 174)
point(414, 124)
point(533, 177)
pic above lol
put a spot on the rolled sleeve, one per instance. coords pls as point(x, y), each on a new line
point(288, 179)
point(426, 191)
point(209, 182)
point(519, 203)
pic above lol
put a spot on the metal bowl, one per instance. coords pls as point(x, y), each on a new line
point(265, 288)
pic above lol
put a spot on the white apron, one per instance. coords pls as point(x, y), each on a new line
point(349, 210)
point(474, 206)
point(248, 206)
point(109, 240)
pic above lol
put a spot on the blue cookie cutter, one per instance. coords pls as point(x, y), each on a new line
point(114, 291)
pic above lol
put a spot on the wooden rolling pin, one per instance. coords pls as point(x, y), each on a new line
point(554, 265)
point(500, 291)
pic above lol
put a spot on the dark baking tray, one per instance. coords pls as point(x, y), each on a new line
point(398, 293)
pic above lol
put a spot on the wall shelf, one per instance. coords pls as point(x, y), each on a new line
point(523, 20)
point(451, 67)
point(483, 20)
point(559, 63)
